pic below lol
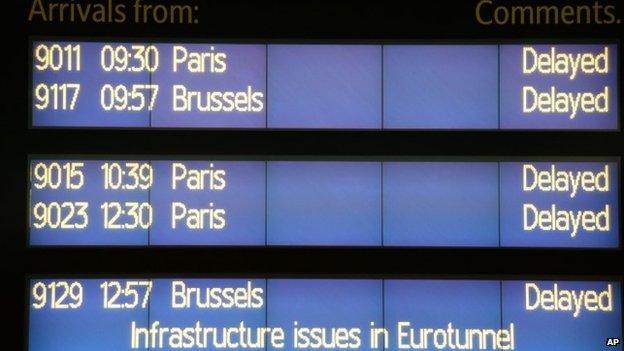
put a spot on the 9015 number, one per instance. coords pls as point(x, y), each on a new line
point(55, 175)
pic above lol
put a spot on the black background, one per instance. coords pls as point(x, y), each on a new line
point(301, 22)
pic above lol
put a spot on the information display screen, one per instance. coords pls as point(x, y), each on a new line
point(455, 203)
point(322, 314)
point(314, 176)
point(321, 86)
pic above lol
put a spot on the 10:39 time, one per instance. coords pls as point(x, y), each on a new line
point(127, 175)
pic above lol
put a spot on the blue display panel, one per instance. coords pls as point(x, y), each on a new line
point(87, 314)
point(559, 204)
point(449, 308)
point(323, 203)
point(338, 86)
point(460, 203)
point(559, 86)
point(440, 203)
point(324, 314)
point(208, 203)
point(86, 202)
point(440, 86)
point(206, 304)
point(579, 310)
point(328, 314)
point(324, 86)
point(88, 84)
point(206, 85)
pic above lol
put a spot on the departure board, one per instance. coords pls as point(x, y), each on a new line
point(464, 203)
point(325, 314)
point(495, 86)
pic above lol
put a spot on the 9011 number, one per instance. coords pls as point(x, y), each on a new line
point(54, 175)
point(56, 57)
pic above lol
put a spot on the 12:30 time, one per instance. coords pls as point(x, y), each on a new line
point(127, 215)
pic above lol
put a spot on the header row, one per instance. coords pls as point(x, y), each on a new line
point(284, 86)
